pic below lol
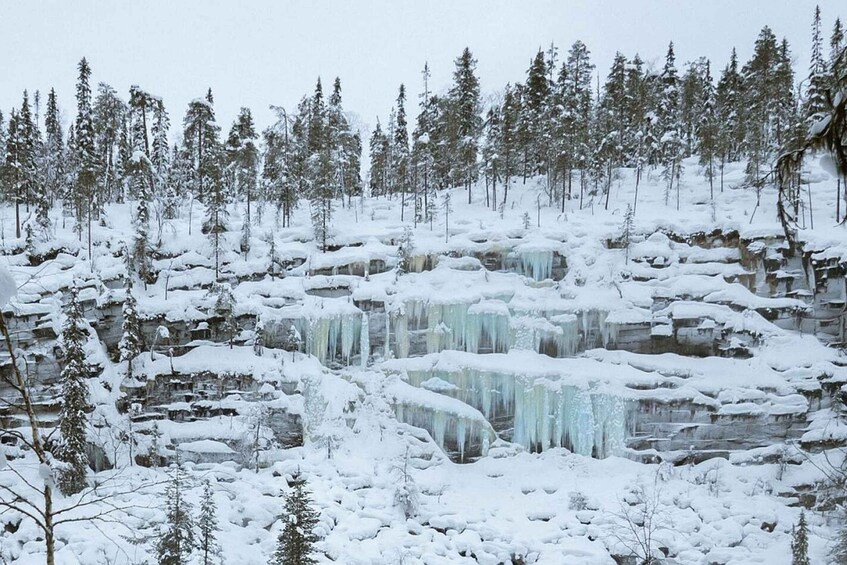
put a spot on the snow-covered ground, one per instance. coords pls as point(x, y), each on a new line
point(452, 324)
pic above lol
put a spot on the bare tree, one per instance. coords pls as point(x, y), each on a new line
point(31, 492)
point(639, 520)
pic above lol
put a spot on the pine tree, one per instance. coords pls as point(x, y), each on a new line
point(296, 542)
point(225, 309)
point(761, 101)
point(575, 85)
point(320, 168)
point(176, 541)
point(837, 64)
point(535, 109)
point(405, 250)
point(400, 150)
point(207, 524)
point(109, 117)
point(728, 100)
point(800, 542)
point(671, 144)
point(131, 336)
point(160, 154)
point(838, 553)
point(201, 140)
point(14, 166)
point(423, 159)
point(707, 131)
point(466, 116)
point(75, 405)
point(243, 159)
point(54, 150)
point(818, 81)
point(85, 188)
point(627, 229)
point(379, 161)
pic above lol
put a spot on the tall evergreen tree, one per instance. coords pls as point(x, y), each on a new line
point(131, 335)
point(818, 81)
point(207, 524)
point(176, 541)
point(85, 188)
point(466, 115)
point(671, 143)
point(707, 128)
point(575, 85)
point(320, 168)
point(201, 140)
point(379, 161)
point(160, 153)
point(295, 545)
point(54, 149)
point(760, 101)
point(800, 542)
point(75, 405)
point(109, 117)
point(400, 150)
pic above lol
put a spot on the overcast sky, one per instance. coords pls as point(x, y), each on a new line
point(256, 53)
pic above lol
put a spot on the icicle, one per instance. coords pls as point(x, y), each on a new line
point(364, 341)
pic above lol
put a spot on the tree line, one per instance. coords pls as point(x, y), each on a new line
point(556, 125)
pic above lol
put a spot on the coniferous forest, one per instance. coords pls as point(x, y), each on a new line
point(592, 315)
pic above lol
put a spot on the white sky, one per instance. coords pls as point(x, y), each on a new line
point(259, 52)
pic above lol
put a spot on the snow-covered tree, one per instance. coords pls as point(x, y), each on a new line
point(466, 118)
point(407, 494)
point(177, 538)
point(73, 420)
point(131, 343)
point(207, 526)
point(296, 542)
point(627, 230)
point(818, 81)
point(225, 309)
point(800, 542)
point(405, 250)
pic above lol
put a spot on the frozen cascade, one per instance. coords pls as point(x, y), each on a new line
point(364, 341)
point(537, 264)
point(490, 393)
point(447, 429)
point(401, 334)
point(488, 320)
point(547, 413)
point(594, 328)
point(330, 336)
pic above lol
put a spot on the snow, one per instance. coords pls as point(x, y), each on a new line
point(505, 377)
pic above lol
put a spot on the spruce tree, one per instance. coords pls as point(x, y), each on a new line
point(109, 117)
point(176, 541)
point(669, 125)
point(838, 552)
point(707, 130)
point(54, 149)
point(818, 81)
point(160, 154)
point(575, 86)
point(75, 405)
point(320, 168)
point(800, 542)
point(131, 336)
point(837, 64)
point(296, 542)
point(379, 161)
point(400, 150)
point(466, 118)
point(225, 309)
point(85, 188)
point(728, 112)
point(201, 140)
point(207, 524)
